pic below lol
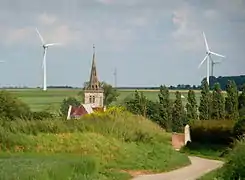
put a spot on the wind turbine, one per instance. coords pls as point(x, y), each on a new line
point(208, 56)
point(213, 63)
point(45, 48)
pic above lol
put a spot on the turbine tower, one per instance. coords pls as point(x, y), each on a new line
point(213, 63)
point(45, 48)
point(208, 57)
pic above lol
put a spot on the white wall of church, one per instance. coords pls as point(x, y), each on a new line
point(96, 99)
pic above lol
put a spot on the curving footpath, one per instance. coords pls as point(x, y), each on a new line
point(199, 167)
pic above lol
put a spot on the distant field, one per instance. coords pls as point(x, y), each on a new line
point(50, 100)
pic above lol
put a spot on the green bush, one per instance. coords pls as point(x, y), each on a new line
point(11, 107)
point(65, 105)
point(234, 168)
point(242, 112)
point(40, 115)
point(212, 132)
point(239, 128)
point(139, 104)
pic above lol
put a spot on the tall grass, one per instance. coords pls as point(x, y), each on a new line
point(117, 140)
point(48, 167)
point(123, 126)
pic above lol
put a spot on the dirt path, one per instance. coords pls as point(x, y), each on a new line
point(198, 168)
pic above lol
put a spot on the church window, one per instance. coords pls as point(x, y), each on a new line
point(93, 99)
point(90, 99)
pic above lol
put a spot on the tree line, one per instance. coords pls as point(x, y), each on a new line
point(222, 80)
point(173, 115)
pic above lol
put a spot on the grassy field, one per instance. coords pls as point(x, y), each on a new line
point(50, 100)
point(106, 146)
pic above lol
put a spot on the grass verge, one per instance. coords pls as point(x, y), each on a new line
point(213, 175)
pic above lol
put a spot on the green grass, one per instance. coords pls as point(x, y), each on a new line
point(104, 146)
point(209, 151)
point(50, 100)
point(213, 175)
point(48, 167)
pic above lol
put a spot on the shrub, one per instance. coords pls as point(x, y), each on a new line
point(239, 128)
point(212, 132)
point(242, 112)
point(65, 105)
point(11, 107)
point(234, 167)
point(139, 104)
point(40, 115)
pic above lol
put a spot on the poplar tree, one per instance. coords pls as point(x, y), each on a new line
point(165, 108)
point(191, 105)
point(204, 107)
point(241, 99)
point(218, 103)
point(231, 102)
point(178, 114)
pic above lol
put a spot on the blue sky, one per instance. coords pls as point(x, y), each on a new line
point(150, 42)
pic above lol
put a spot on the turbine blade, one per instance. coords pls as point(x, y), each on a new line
point(202, 61)
point(206, 43)
point(53, 44)
point(215, 62)
point(40, 36)
point(216, 54)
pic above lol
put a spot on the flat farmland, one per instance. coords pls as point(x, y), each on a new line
point(51, 99)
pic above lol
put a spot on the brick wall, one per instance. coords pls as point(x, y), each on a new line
point(178, 140)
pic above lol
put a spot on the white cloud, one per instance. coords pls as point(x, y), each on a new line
point(46, 19)
point(105, 1)
point(62, 34)
point(187, 34)
point(19, 35)
point(139, 21)
point(212, 14)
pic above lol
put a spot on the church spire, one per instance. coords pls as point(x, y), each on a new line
point(94, 82)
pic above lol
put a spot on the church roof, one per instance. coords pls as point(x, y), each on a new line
point(81, 110)
point(94, 83)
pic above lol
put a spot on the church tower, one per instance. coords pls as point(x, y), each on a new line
point(94, 93)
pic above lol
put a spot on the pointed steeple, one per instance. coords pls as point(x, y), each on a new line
point(94, 82)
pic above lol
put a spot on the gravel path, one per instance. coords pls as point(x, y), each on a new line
point(198, 168)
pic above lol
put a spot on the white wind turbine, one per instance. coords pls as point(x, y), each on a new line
point(208, 56)
point(45, 48)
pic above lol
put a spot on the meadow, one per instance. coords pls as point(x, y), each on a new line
point(113, 145)
point(51, 99)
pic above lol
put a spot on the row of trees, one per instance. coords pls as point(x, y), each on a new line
point(223, 81)
point(214, 105)
point(172, 114)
